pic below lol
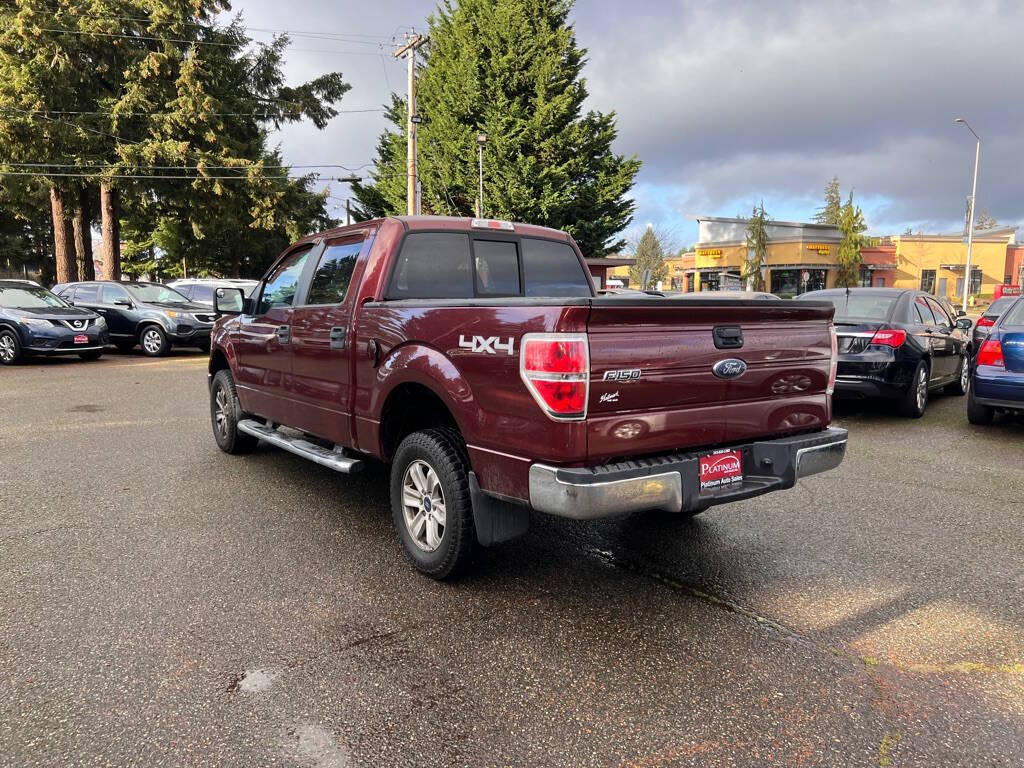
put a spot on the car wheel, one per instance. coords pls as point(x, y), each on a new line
point(96, 354)
point(981, 415)
point(960, 386)
point(10, 347)
point(430, 502)
point(154, 341)
point(916, 399)
point(225, 413)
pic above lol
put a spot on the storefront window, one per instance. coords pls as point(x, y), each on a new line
point(865, 277)
point(975, 280)
point(928, 280)
point(689, 283)
point(793, 282)
point(710, 281)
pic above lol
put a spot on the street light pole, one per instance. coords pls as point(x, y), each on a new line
point(970, 222)
point(481, 139)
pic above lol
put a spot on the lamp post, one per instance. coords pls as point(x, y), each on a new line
point(481, 139)
point(970, 221)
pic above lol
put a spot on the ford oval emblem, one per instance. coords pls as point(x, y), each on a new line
point(729, 369)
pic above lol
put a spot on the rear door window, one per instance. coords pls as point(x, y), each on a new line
point(112, 292)
point(201, 293)
point(334, 272)
point(924, 311)
point(497, 268)
point(432, 265)
point(87, 293)
point(552, 269)
point(941, 318)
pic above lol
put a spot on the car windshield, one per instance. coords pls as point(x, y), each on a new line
point(999, 306)
point(1014, 316)
point(150, 293)
point(859, 306)
point(28, 297)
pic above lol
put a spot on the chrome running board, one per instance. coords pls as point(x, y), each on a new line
point(316, 453)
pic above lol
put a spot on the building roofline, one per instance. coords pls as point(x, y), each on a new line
point(734, 220)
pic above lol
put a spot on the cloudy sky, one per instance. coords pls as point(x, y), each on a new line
point(730, 102)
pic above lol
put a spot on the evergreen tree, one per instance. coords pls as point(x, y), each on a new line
point(851, 224)
point(984, 221)
point(829, 213)
point(650, 256)
point(757, 248)
point(510, 69)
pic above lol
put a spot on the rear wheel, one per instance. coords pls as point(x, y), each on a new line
point(977, 413)
point(10, 347)
point(430, 503)
point(959, 387)
point(916, 399)
point(225, 413)
point(154, 341)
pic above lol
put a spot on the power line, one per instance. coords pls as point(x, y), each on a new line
point(183, 167)
point(152, 114)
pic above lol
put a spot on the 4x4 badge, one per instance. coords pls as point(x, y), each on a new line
point(490, 345)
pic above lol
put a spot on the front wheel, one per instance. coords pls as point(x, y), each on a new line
point(916, 399)
point(10, 347)
point(430, 503)
point(959, 387)
point(154, 341)
point(978, 414)
point(225, 413)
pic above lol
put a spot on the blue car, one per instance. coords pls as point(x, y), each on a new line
point(997, 383)
point(34, 321)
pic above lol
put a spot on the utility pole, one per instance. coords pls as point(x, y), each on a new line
point(348, 211)
point(970, 223)
point(412, 42)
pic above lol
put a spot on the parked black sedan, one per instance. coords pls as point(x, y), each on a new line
point(34, 321)
point(148, 314)
point(898, 345)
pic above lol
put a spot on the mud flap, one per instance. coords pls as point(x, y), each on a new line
point(496, 520)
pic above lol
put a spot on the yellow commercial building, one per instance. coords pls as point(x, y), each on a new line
point(937, 263)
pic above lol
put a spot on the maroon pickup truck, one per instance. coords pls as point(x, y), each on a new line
point(475, 358)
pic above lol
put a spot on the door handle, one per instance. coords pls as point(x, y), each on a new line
point(283, 334)
point(338, 337)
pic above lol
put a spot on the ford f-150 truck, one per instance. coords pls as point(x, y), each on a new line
point(475, 358)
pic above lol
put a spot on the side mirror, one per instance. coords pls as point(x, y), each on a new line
point(964, 323)
point(122, 302)
point(229, 301)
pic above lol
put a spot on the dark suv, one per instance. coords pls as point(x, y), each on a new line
point(148, 314)
point(36, 322)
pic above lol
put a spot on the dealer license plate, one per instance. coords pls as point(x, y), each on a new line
point(81, 339)
point(719, 470)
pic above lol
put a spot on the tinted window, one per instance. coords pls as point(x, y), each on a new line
point(1014, 316)
point(151, 292)
point(14, 296)
point(184, 290)
point(111, 292)
point(497, 268)
point(202, 293)
point(280, 287)
point(924, 311)
point(88, 293)
point(552, 269)
point(1000, 305)
point(432, 266)
point(941, 318)
point(334, 273)
point(859, 306)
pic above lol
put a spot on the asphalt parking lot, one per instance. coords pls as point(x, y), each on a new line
point(166, 604)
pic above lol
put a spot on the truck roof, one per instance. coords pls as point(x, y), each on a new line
point(454, 223)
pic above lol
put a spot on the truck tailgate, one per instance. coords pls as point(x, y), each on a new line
point(653, 383)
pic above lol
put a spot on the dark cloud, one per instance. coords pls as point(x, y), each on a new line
point(728, 102)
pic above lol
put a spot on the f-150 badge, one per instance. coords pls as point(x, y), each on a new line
point(490, 345)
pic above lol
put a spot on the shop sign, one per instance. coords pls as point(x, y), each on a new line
point(712, 252)
point(822, 249)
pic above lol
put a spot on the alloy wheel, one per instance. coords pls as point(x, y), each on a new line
point(922, 389)
point(423, 505)
point(965, 375)
point(222, 412)
point(6, 348)
point(151, 341)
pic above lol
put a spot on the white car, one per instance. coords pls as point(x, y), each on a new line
point(200, 290)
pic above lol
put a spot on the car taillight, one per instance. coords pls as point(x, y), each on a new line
point(984, 322)
point(556, 369)
point(889, 337)
point(991, 353)
point(833, 367)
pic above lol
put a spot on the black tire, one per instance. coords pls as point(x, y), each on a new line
point(443, 453)
point(224, 402)
point(963, 378)
point(95, 354)
point(978, 414)
point(10, 347)
point(915, 401)
point(154, 341)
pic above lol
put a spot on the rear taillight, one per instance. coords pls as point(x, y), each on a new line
point(984, 322)
point(991, 353)
point(889, 337)
point(556, 369)
point(833, 366)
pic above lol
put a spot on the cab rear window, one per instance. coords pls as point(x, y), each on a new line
point(553, 269)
